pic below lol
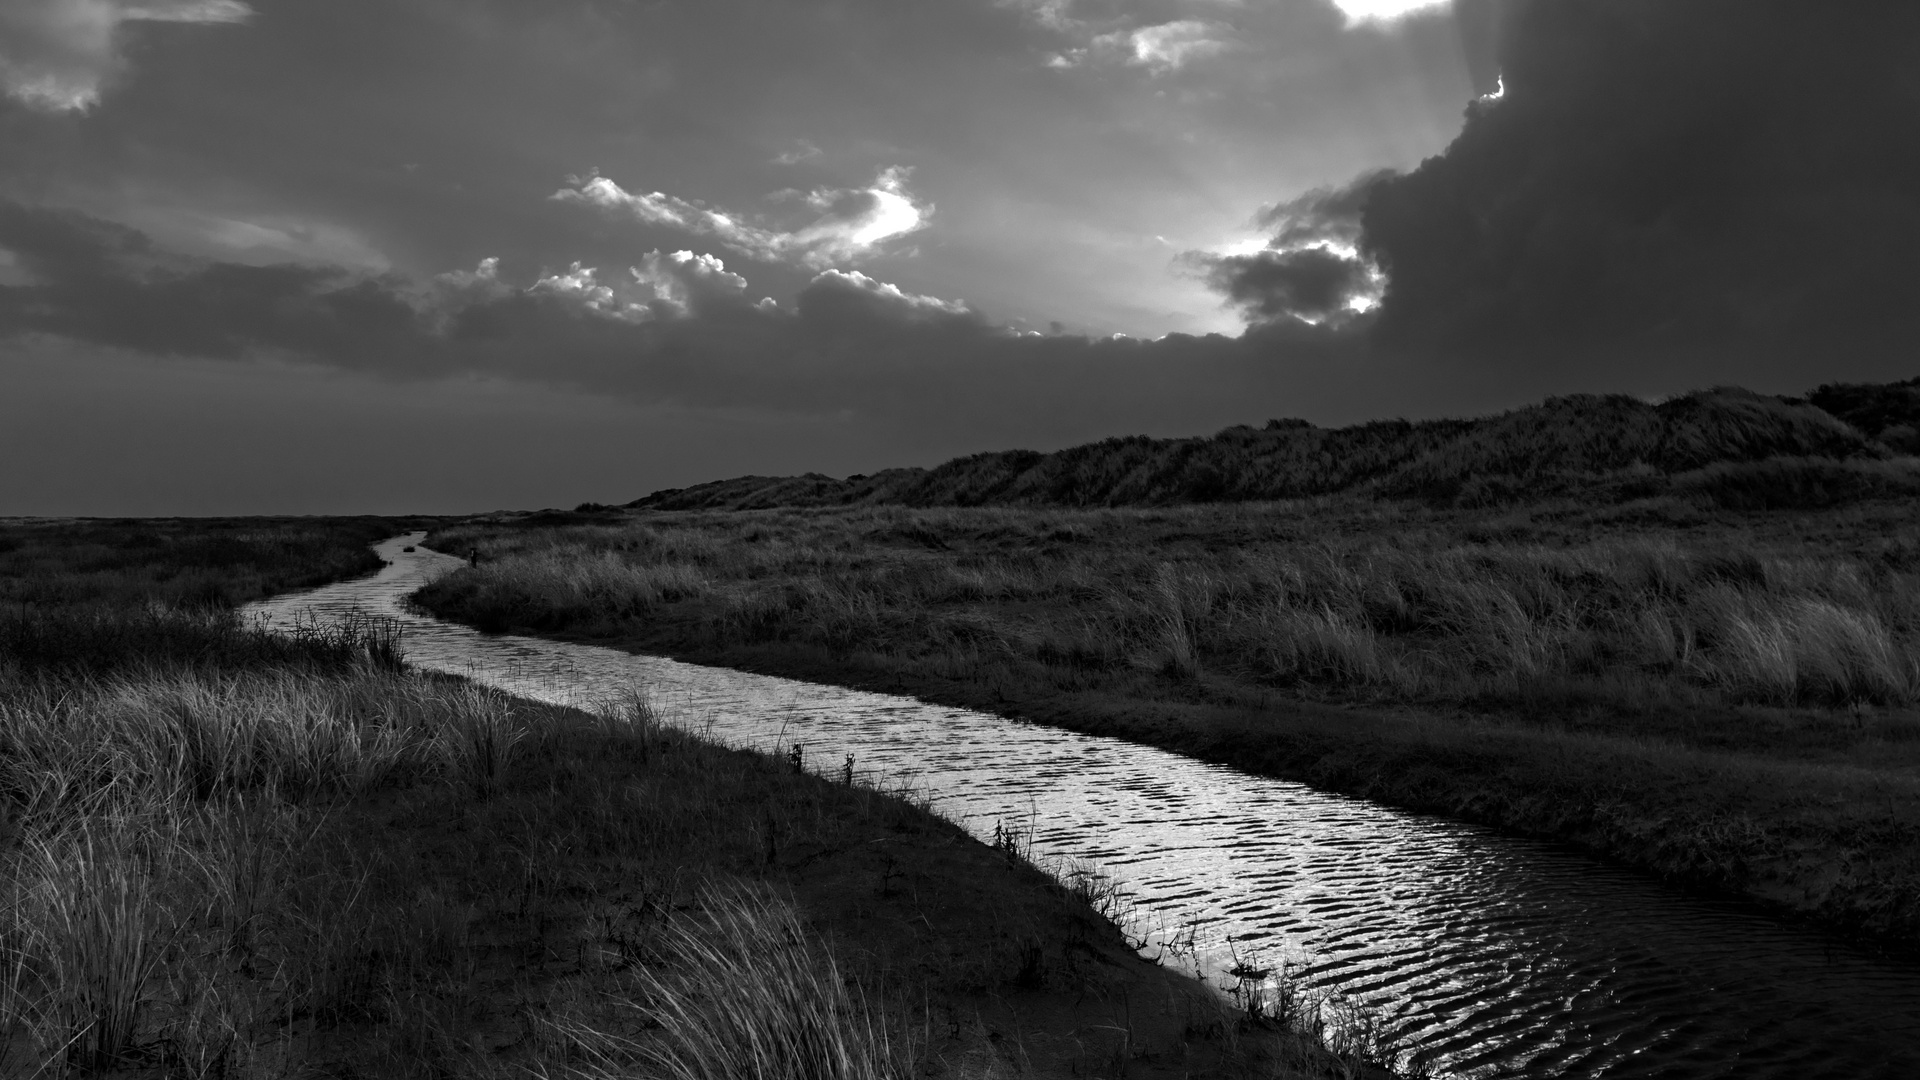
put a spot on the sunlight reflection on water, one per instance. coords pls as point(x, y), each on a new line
point(1495, 956)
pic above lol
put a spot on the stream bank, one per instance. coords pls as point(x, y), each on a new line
point(1636, 802)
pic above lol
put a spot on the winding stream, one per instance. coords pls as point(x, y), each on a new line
point(1494, 956)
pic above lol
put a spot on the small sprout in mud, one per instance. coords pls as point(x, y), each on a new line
point(1016, 841)
point(1033, 966)
point(1010, 841)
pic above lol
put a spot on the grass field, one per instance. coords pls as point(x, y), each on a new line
point(229, 854)
point(1725, 698)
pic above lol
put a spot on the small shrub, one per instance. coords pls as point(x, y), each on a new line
point(1183, 601)
point(479, 736)
point(1325, 646)
point(1800, 483)
point(1803, 649)
point(741, 990)
point(90, 919)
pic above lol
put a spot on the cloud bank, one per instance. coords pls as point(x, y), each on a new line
point(1159, 48)
point(1665, 195)
point(848, 223)
point(1362, 12)
point(1721, 175)
point(1726, 184)
point(677, 329)
point(58, 55)
point(1311, 267)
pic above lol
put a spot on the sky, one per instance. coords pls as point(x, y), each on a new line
point(341, 256)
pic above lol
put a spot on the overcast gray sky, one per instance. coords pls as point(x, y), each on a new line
point(443, 255)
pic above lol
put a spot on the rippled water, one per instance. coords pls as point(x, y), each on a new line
point(1494, 956)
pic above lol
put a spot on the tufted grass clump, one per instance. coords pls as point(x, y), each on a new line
point(738, 989)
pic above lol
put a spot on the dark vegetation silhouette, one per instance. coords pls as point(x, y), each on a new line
point(1738, 448)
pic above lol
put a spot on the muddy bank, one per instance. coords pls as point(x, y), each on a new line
point(1826, 845)
point(599, 842)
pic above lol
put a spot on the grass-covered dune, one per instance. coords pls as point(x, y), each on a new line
point(230, 854)
point(1727, 699)
point(1732, 447)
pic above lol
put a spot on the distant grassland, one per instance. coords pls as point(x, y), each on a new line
point(1728, 699)
point(180, 562)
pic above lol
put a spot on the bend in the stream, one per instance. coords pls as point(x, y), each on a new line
point(1494, 956)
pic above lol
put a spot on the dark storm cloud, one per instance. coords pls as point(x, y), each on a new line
point(1712, 177)
point(92, 280)
point(1305, 283)
point(1311, 268)
point(1323, 215)
point(678, 329)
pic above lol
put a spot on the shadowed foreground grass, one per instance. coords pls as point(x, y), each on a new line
point(364, 871)
point(1726, 699)
point(225, 854)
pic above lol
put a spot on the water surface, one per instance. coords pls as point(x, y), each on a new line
point(1494, 956)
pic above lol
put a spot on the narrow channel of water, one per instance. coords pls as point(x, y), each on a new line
point(1495, 956)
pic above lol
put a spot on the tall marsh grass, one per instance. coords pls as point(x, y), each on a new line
point(91, 925)
point(150, 814)
point(1432, 615)
point(739, 990)
point(552, 591)
point(186, 737)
